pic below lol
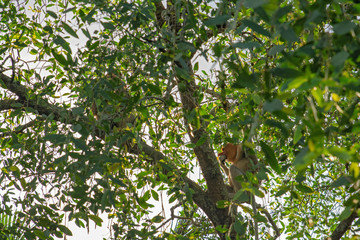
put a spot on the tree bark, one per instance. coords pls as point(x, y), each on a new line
point(343, 226)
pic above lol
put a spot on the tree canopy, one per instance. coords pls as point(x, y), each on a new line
point(116, 106)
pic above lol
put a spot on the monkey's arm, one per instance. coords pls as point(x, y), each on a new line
point(222, 164)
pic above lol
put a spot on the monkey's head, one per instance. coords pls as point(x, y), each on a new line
point(231, 153)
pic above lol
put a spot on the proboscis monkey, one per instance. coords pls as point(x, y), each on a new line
point(240, 163)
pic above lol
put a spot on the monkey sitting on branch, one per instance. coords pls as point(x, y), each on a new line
point(240, 164)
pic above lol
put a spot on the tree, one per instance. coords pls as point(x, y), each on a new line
point(129, 114)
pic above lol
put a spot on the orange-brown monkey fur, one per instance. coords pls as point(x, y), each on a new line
point(240, 163)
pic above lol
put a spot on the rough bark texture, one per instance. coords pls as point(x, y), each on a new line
point(343, 226)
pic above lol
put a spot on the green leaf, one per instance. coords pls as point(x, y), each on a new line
point(304, 188)
point(40, 234)
point(184, 46)
point(340, 153)
point(154, 88)
point(278, 125)
point(339, 59)
point(343, 27)
point(221, 229)
point(142, 202)
point(246, 45)
point(345, 214)
point(59, 57)
point(274, 105)
point(341, 181)
point(304, 158)
point(98, 221)
point(80, 144)
point(254, 3)
point(157, 219)
point(2, 50)
point(33, 52)
point(108, 25)
point(270, 157)
point(78, 110)
point(282, 191)
point(69, 30)
point(256, 27)
point(219, 20)
point(276, 49)
point(16, 105)
point(119, 182)
point(86, 33)
point(55, 138)
point(298, 134)
point(65, 230)
point(240, 227)
point(222, 204)
point(61, 42)
point(288, 34)
point(14, 169)
point(286, 72)
point(23, 183)
point(244, 80)
point(52, 14)
point(155, 195)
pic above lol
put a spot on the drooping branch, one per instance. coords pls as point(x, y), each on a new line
point(38, 103)
point(19, 129)
point(65, 115)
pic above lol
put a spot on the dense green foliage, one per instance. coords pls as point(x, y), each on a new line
point(114, 106)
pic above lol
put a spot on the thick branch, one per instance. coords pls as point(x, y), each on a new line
point(38, 103)
point(204, 152)
point(200, 197)
point(7, 104)
point(63, 115)
point(19, 129)
point(343, 226)
point(14, 86)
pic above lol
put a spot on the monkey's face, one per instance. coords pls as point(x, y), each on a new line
point(228, 153)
